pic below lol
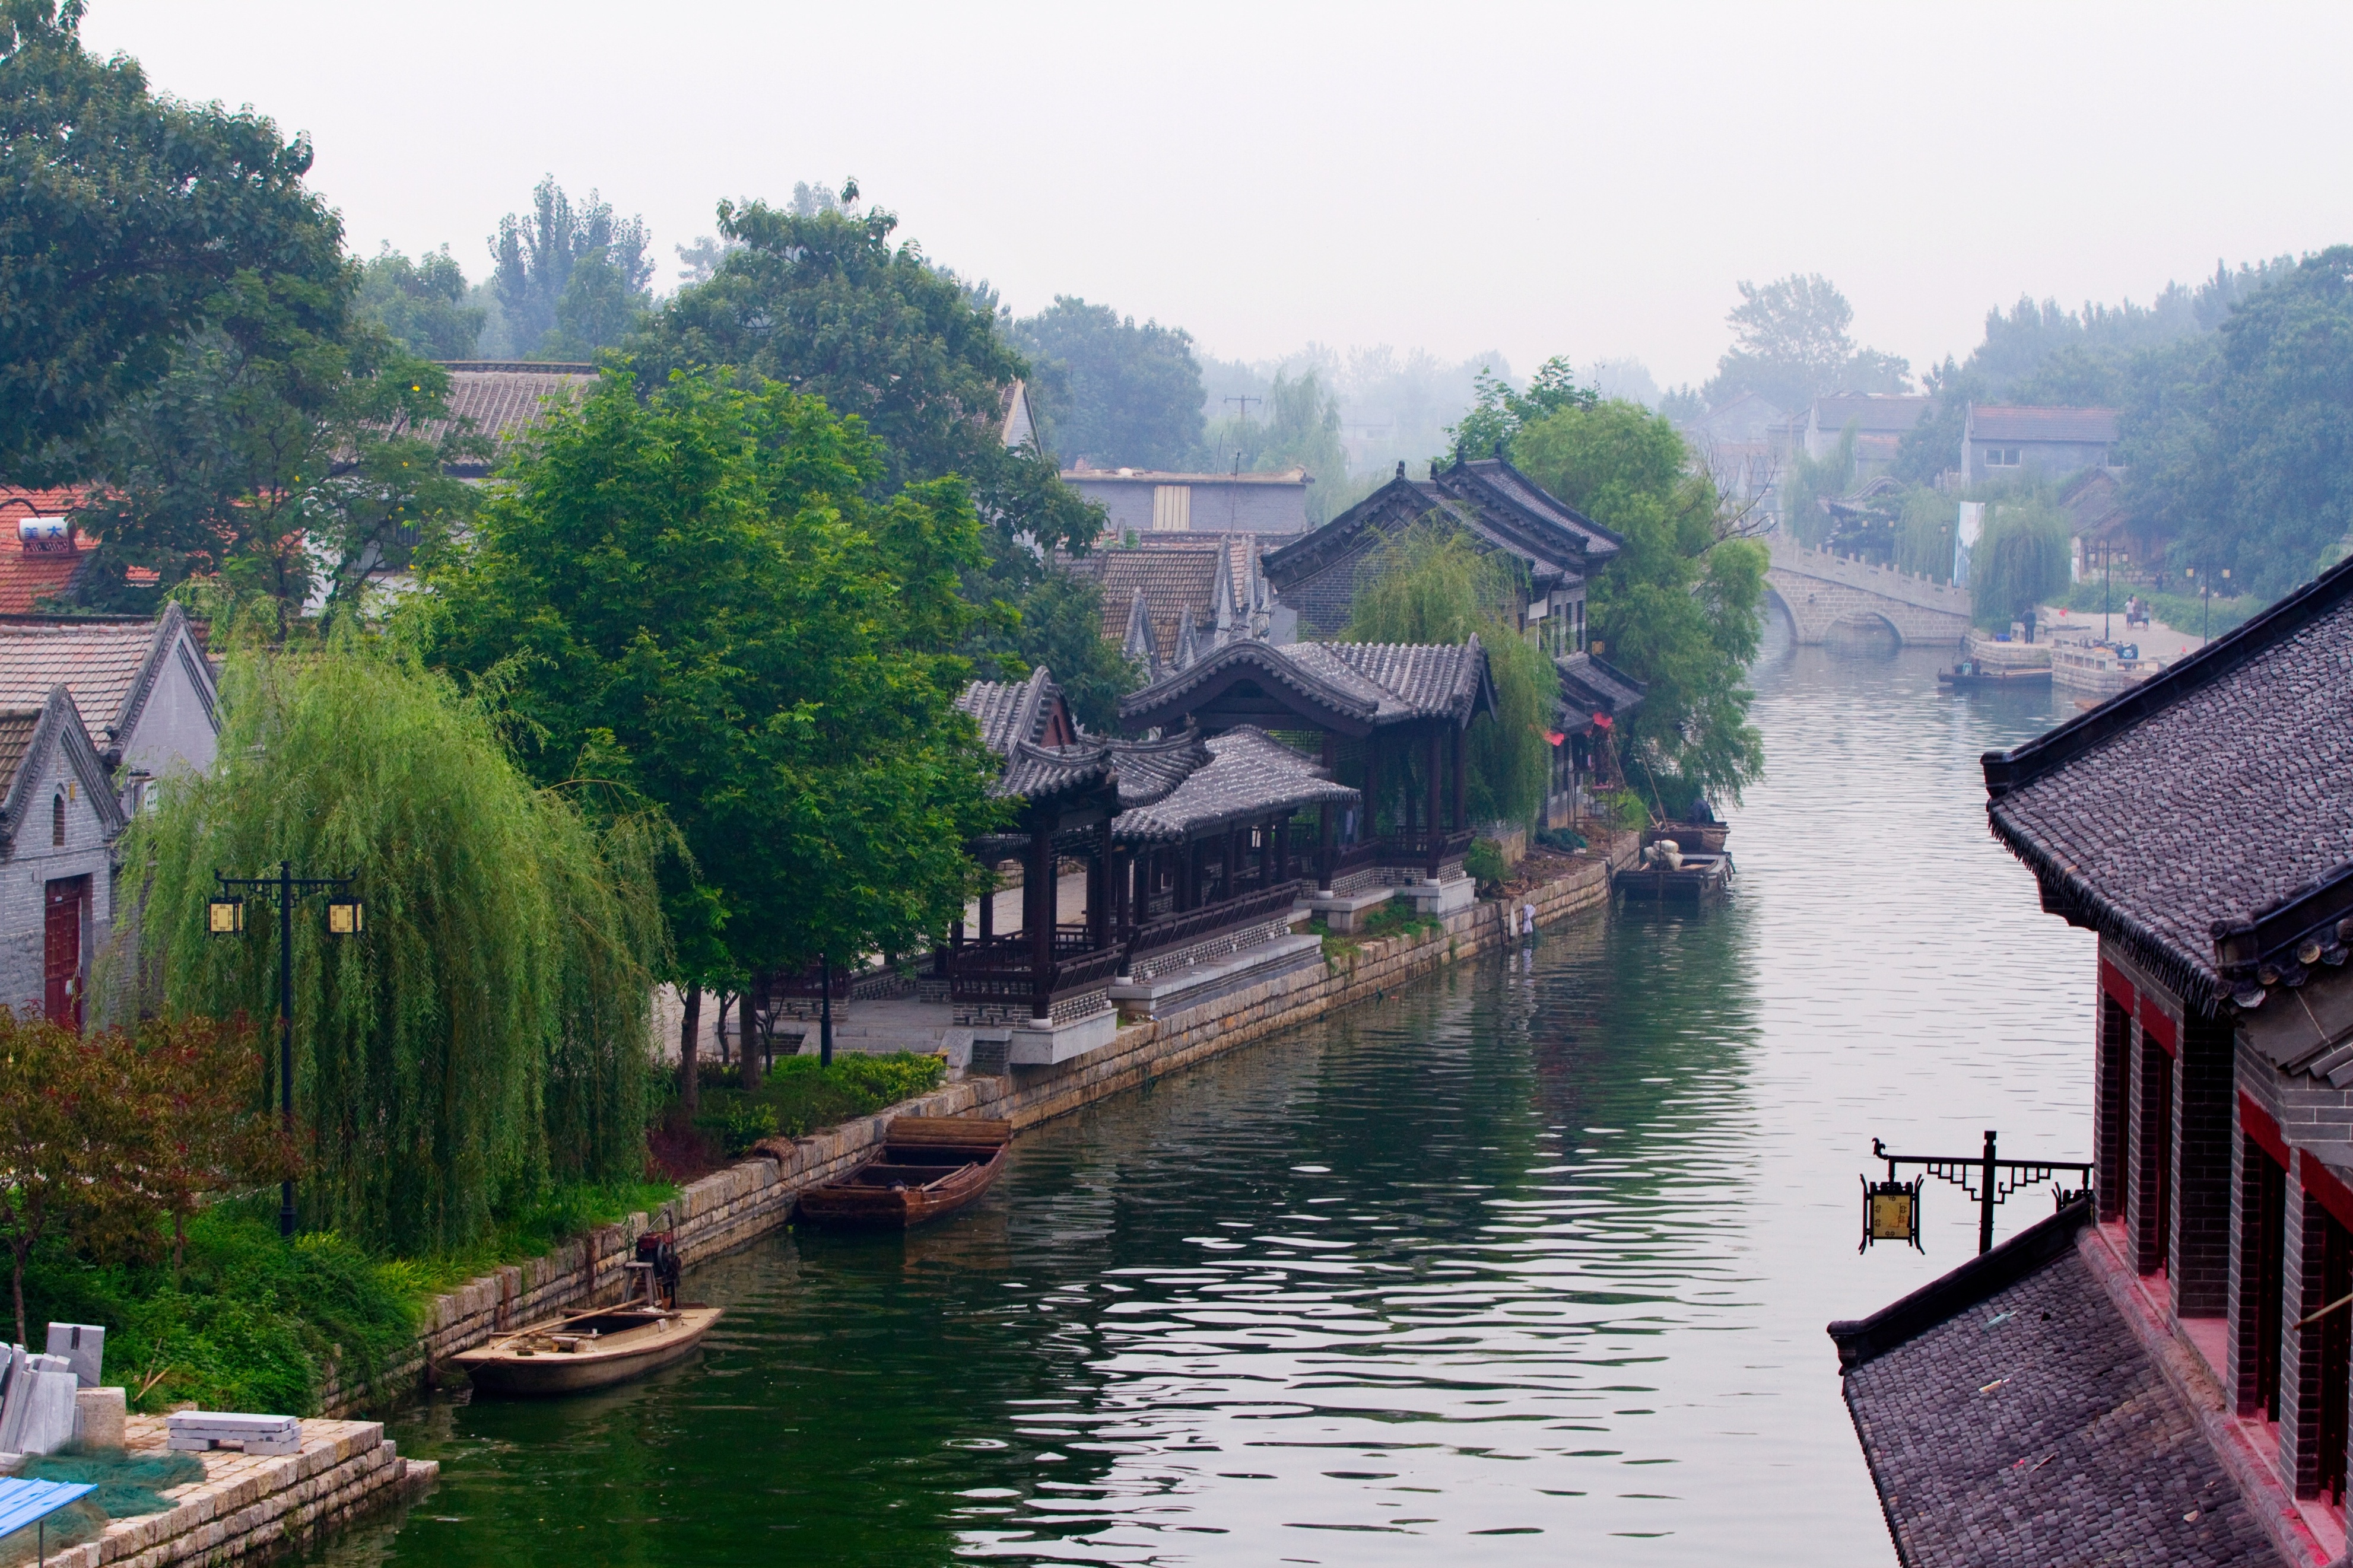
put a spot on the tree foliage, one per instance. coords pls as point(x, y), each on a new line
point(692, 596)
point(421, 304)
point(569, 280)
point(1061, 627)
point(287, 451)
point(1299, 427)
point(486, 1033)
point(1433, 582)
point(70, 1142)
point(1678, 608)
point(1500, 411)
point(1110, 391)
point(2019, 561)
point(1793, 341)
point(124, 218)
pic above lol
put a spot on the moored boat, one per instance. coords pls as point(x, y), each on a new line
point(603, 1346)
point(1971, 675)
point(929, 1166)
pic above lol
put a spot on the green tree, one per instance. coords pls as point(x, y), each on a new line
point(486, 1033)
point(1110, 391)
point(693, 597)
point(1678, 606)
point(1433, 582)
point(420, 305)
point(288, 451)
point(1793, 341)
point(2240, 446)
point(1808, 482)
point(822, 302)
point(1298, 428)
point(2018, 563)
point(1499, 411)
point(1061, 627)
point(569, 280)
point(123, 220)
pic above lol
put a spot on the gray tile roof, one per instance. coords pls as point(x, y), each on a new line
point(1249, 777)
point(108, 664)
point(505, 398)
point(1178, 582)
point(1999, 422)
point(1591, 684)
point(2209, 807)
point(16, 728)
point(1010, 710)
point(1357, 685)
point(2029, 1428)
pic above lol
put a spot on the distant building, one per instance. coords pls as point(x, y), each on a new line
point(44, 559)
point(1167, 600)
point(1880, 421)
point(1999, 441)
point(2106, 537)
point(1018, 423)
point(1148, 500)
point(58, 822)
point(1744, 445)
point(141, 686)
point(506, 399)
point(1499, 507)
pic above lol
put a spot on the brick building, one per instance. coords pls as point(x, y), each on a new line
point(2202, 824)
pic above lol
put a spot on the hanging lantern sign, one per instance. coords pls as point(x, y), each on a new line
point(225, 916)
point(1891, 1212)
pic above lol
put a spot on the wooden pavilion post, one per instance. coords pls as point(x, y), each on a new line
point(1041, 915)
point(988, 909)
point(1226, 867)
point(1430, 834)
point(1454, 749)
point(1327, 823)
point(1278, 841)
point(1099, 891)
point(1372, 789)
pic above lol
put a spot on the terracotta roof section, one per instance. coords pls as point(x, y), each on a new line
point(16, 728)
point(1175, 581)
point(1250, 776)
point(108, 663)
point(504, 398)
point(2004, 422)
point(2204, 818)
point(15, 501)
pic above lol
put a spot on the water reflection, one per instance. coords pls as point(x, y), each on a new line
point(1530, 1262)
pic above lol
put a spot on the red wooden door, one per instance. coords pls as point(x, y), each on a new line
point(62, 951)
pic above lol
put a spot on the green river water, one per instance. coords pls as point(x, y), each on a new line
point(1525, 1265)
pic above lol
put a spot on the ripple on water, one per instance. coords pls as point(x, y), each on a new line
point(1533, 1260)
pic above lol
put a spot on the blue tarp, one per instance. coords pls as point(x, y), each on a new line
point(27, 1502)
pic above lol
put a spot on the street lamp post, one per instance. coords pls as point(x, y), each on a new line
point(226, 917)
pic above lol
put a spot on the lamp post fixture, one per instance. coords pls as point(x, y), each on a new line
point(224, 916)
point(1891, 1209)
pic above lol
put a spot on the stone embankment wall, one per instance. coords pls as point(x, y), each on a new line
point(249, 1504)
point(747, 1200)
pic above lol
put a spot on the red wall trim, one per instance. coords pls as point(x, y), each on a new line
point(2327, 1190)
point(2113, 982)
point(2156, 1026)
point(2257, 1123)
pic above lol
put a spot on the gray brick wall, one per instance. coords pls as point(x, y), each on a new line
point(2205, 1126)
point(32, 862)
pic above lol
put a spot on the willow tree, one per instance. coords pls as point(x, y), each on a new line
point(1432, 584)
point(488, 1031)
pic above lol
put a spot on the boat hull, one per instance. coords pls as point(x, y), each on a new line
point(2037, 679)
point(503, 1370)
point(919, 1176)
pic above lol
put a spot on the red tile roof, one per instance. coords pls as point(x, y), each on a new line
point(2001, 422)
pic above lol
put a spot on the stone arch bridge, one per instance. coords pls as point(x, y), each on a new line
point(1826, 595)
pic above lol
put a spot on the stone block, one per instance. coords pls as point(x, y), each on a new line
point(98, 1416)
point(83, 1345)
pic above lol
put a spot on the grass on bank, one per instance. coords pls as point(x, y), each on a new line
point(253, 1322)
point(1398, 917)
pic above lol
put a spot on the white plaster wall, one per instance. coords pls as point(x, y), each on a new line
point(174, 731)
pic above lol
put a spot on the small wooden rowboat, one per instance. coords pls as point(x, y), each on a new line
point(929, 1166)
point(588, 1349)
point(1970, 676)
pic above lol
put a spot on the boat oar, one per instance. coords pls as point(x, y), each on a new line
point(2340, 1301)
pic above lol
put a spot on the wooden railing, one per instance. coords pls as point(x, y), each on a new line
point(1004, 970)
point(1414, 848)
point(1199, 925)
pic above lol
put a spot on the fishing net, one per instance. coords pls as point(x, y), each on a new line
point(129, 1484)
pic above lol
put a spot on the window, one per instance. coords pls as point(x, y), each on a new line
point(1172, 507)
point(2001, 456)
point(57, 819)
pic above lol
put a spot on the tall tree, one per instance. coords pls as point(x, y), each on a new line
point(124, 218)
point(288, 451)
point(421, 304)
point(2241, 445)
point(1114, 393)
point(487, 1032)
point(1793, 341)
point(1499, 409)
point(1678, 608)
point(569, 280)
point(692, 596)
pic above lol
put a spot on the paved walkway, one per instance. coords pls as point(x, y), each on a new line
point(2157, 639)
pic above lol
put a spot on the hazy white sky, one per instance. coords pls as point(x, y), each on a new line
point(1582, 179)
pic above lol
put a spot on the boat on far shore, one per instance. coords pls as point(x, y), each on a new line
point(1971, 675)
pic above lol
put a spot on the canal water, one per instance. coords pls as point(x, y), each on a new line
point(1527, 1264)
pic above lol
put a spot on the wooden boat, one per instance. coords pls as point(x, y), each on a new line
point(1699, 877)
point(929, 1166)
point(1970, 676)
point(588, 1349)
point(1691, 837)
